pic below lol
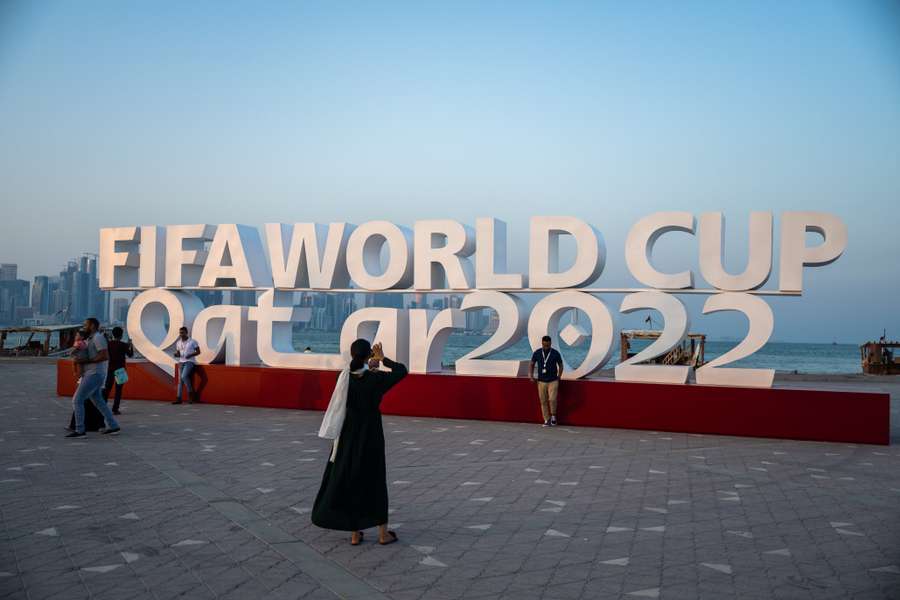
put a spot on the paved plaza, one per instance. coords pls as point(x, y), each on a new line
point(213, 502)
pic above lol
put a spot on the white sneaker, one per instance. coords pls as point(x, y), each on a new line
point(546, 424)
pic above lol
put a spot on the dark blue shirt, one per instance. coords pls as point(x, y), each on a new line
point(553, 363)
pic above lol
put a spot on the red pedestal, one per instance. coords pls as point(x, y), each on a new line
point(857, 417)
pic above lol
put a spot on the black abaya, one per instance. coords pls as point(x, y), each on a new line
point(93, 419)
point(353, 495)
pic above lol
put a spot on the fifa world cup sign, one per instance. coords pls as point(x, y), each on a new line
point(165, 263)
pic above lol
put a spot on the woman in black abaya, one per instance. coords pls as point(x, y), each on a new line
point(353, 495)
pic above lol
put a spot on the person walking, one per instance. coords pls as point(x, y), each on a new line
point(353, 495)
point(93, 420)
point(186, 349)
point(93, 362)
point(550, 370)
point(119, 351)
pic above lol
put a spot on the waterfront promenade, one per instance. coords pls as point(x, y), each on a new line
point(213, 502)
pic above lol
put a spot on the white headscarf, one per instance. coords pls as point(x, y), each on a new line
point(333, 420)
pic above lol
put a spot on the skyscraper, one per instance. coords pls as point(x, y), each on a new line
point(493, 322)
point(338, 307)
point(120, 310)
point(40, 295)
point(475, 320)
point(13, 297)
point(81, 296)
point(58, 302)
point(100, 304)
point(319, 317)
point(9, 271)
point(76, 293)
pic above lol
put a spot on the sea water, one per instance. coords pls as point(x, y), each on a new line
point(782, 356)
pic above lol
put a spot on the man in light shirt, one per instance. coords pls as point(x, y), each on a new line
point(186, 348)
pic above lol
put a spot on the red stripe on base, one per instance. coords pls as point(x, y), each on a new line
point(858, 417)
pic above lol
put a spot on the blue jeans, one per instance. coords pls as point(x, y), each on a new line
point(184, 379)
point(91, 386)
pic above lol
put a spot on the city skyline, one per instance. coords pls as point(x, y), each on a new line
point(51, 300)
point(71, 295)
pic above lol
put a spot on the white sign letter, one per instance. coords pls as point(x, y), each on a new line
point(429, 331)
point(185, 254)
point(300, 259)
point(118, 268)
point(795, 254)
point(712, 252)
point(490, 256)
point(432, 263)
point(639, 249)
point(676, 324)
point(511, 326)
point(225, 334)
point(275, 314)
point(364, 256)
point(152, 271)
point(761, 323)
point(236, 254)
point(543, 253)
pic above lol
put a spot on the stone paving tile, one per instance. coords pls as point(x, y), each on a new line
point(205, 501)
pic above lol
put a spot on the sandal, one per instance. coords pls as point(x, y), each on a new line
point(391, 540)
point(358, 541)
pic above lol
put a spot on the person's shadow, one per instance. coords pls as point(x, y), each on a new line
point(200, 379)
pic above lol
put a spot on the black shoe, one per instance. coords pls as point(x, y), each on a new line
point(70, 429)
point(115, 412)
point(106, 430)
point(553, 421)
point(177, 402)
point(75, 434)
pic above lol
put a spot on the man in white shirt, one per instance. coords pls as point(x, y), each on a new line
point(186, 348)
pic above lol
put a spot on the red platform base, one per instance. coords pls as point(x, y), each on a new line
point(858, 417)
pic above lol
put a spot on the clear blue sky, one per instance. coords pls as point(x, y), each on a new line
point(117, 113)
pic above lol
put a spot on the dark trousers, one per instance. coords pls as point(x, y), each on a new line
point(110, 382)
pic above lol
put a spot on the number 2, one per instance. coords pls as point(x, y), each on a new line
point(676, 324)
point(761, 323)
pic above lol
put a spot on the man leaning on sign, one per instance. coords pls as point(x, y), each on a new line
point(550, 369)
point(186, 349)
